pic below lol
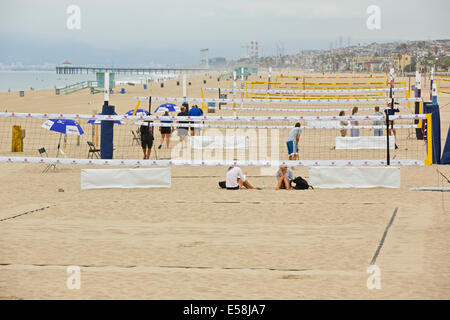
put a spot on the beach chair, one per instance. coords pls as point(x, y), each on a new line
point(43, 152)
point(93, 151)
point(136, 137)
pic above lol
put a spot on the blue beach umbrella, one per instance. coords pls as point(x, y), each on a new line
point(63, 126)
point(139, 112)
point(100, 121)
point(170, 107)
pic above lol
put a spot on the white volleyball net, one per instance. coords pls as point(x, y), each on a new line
point(251, 137)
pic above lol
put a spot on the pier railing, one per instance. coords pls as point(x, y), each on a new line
point(78, 86)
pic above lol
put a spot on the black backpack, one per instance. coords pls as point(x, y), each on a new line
point(301, 184)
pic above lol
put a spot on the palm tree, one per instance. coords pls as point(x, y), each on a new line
point(404, 47)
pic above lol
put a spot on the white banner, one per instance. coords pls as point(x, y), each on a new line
point(300, 110)
point(293, 91)
point(226, 163)
point(364, 142)
point(219, 142)
point(327, 177)
point(283, 100)
point(203, 118)
point(321, 124)
point(125, 178)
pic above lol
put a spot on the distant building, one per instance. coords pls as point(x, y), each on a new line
point(403, 61)
point(66, 64)
point(204, 58)
point(218, 61)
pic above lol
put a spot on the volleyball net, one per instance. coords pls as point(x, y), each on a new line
point(220, 139)
point(443, 84)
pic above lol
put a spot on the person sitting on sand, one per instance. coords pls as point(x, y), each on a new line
point(236, 179)
point(284, 177)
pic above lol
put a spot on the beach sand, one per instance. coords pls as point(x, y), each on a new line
point(196, 241)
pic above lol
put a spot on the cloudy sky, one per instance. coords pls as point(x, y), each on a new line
point(141, 32)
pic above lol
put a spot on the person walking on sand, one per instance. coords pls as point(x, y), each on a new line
point(292, 142)
point(284, 177)
point(165, 132)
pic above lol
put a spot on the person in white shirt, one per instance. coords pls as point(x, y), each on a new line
point(354, 132)
point(236, 179)
point(378, 132)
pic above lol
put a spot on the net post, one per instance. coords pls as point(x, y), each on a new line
point(429, 159)
point(388, 152)
point(150, 105)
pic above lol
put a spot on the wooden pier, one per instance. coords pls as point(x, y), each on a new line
point(81, 70)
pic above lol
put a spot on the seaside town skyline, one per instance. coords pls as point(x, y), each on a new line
point(161, 34)
point(375, 57)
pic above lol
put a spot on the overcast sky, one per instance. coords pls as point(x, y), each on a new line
point(138, 32)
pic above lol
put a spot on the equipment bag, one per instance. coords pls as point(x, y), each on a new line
point(301, 184)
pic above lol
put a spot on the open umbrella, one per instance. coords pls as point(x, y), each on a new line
point(63, 126)
point(170, 107)
point(100, 121)
point(139, 112)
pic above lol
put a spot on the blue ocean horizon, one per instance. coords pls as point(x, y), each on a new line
point(39, 80)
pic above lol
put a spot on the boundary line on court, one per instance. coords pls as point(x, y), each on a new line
point(380, 245)
point(28, 212)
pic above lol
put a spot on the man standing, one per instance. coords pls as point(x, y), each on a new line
point(195, 112)
point(292, 142)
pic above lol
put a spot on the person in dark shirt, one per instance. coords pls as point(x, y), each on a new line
point(165, 132)
point(183, 131)
point(195, 112)
point(147, 138)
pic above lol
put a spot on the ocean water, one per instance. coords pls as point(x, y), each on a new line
point(25, 80)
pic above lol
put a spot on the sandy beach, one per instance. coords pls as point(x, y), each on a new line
point(196, 241)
